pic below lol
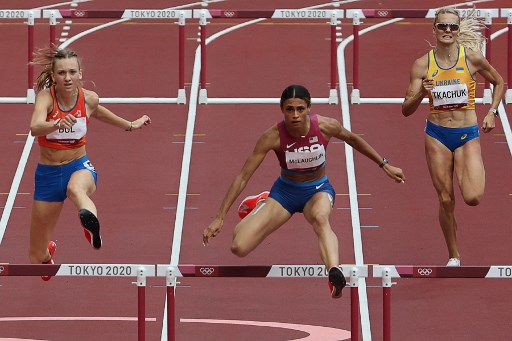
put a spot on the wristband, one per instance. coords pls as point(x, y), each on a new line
point(384, 162)
point(494, 111)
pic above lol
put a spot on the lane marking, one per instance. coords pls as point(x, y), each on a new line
point(73, 318)
point(316, 333)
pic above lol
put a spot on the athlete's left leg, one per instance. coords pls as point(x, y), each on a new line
point(469, 168)
point(317, 212)
point(80, 188)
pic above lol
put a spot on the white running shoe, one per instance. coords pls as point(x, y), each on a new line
point(453, 262)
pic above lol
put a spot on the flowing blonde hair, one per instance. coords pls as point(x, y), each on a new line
point(470, 29)
point(46, 58)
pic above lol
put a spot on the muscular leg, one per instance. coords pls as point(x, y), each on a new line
point(44, 219)
point(440, 162)
point(470, 171)
point(317, 212)
point(80, 188)
point(267, 217)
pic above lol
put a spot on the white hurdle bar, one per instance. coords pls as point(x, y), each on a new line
point(299, 14)
point(140, 271)
point(353, 272)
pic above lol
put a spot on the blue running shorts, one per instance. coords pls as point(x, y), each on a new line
point(293, 196)
point(52, 181)
point(452, 138)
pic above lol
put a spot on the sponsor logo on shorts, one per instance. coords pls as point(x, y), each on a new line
point(463, 137)
point(318, 187)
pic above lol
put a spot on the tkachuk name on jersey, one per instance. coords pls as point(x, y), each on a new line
point(449, 94)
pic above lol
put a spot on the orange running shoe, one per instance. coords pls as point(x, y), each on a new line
point(51, 248)
point(336, 282)
point(249, 203)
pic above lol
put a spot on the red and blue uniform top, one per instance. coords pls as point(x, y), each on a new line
point(303, 154)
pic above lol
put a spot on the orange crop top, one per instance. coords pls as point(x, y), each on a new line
point(66, 138)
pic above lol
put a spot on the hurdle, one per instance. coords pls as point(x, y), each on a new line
point(358, 14)
point(387, 272)
point(299, 14)
point(140, 271)
point(128, 14)
point(30, 15)
point(507, 13)
point(171, 273)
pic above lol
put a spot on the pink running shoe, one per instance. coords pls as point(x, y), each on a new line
point(249, 203)
point(51, 248)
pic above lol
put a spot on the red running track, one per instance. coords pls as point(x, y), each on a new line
point(139, 176)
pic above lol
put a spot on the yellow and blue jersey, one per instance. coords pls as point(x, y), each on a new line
point(454, 88)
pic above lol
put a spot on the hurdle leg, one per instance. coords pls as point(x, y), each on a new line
point(182, 96)
point(141, 294)
point(171, 309)
point(354, 304)
point(386, 304)
point(31, 95)
point(202, 36)
point(355, 95)
point(508, 94)
point(487, 96)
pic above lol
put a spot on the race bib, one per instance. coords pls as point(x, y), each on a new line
point(450, 96)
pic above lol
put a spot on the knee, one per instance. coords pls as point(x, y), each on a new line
point(473, 200)
point(447, 202)
point(320, 223)
point(72, 190)
point(238, 249)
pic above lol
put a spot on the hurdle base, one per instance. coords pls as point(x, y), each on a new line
point(355, 97)
point(182, 97)
point(333, 96)
point(487, 98)
point(203, 96)
point(508, 96)
point(31, 96)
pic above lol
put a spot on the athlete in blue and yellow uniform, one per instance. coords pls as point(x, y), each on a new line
point(452, 145)
point(300, 143)
point(59, 120)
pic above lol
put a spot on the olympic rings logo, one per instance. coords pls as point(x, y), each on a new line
point(424, 271)
point(206, 271)
point(229, 14)
point(79, 13)
point(382, 13)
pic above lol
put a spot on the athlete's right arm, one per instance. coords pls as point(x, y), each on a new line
point(38, 124)
point(419, 85)
point(265, 143)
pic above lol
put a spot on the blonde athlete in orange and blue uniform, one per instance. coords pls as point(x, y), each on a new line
point(60, 118)
point(452, 144)
point(299, 142)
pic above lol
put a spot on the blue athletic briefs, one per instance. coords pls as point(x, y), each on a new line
point(52, 181)
point(293, 196)
point(452, 138)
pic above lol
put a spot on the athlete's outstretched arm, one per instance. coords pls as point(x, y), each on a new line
point(333, 128)
point(265, 143)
